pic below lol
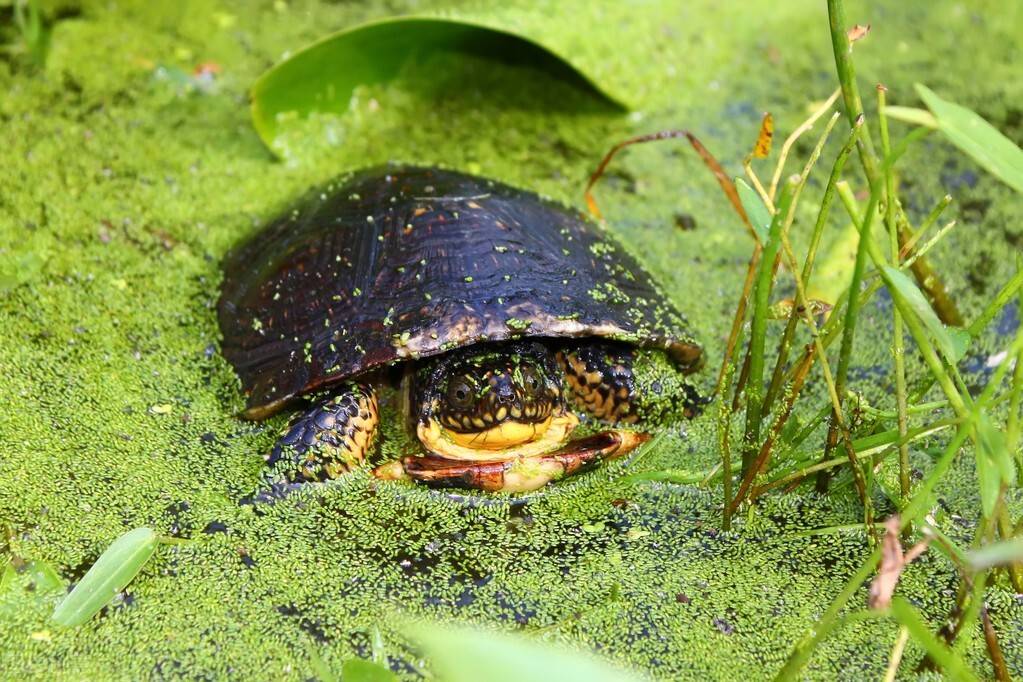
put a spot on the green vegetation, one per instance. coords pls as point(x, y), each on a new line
point(941, 347)
point(322, 78)
point(131, 166)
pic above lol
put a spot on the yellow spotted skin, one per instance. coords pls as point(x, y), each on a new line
point(621, 384)
point(600, 381)
point(495, 418)
point(330, 438)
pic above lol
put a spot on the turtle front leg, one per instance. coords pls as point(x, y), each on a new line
point(618, 383)
point(330, 438)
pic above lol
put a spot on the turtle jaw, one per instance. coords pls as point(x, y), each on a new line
point(508, 440)
point(518, 475)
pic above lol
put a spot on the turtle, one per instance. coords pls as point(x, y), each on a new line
point(501, 318)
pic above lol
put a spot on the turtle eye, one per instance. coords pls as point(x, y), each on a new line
point(531, 381)
point(460, 393)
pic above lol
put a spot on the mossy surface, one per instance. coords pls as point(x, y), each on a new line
point(123, 185)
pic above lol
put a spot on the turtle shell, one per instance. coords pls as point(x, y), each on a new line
point(397, 263)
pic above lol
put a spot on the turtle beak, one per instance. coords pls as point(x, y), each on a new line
point(513, 476)
point(510, 439)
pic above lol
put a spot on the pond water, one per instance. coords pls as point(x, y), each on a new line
point(125, 181)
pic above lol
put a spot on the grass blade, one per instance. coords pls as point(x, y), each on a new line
point(995, 466)
point(920, 117)
point(951, 347)
point(759, 216)
point(114, 569)
point(977, 138)
point(949, 660)
point(361, 670)
point(996, 554)
point(459, 654)
point(680, 476)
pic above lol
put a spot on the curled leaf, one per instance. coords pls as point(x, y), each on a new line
point(893, 562)
point(321, 78)
point(857, 32)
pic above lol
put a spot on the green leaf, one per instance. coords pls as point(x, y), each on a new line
point(947, 658)
point(920, 117)
point(977, 138)
point(903, 287)
point(321, 670)
point(988, 481)
point(361, 670)
point(470, 654)
point(995, 465)
point(756, 211)
point(43, 577)
point(114, 569)
point(321, 77)
point(961, 341)
point(996, 554)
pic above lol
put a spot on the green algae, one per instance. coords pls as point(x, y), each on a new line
point(121, 191)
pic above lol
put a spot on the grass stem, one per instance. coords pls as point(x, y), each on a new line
point(918, 504)
point(852, 310)
point(796, 134)
point(898, 344)
point(928, 222)
point(896, 656)
point(758, 327)
point(811, 254)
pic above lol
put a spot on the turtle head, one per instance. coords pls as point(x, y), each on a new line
point(492, 402)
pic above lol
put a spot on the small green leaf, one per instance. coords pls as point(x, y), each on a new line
point(114, 569)
point(44, 577)
point(996, 554)
point(977, 138)
point(470, 654)
point(361, 670)
point(995, 465)
point(8, 576)
point(920, 117)
point(322, 77)
point(756, 211)
point(40, 574)
point(988, 481)
point(961, 341)
point(903, 287)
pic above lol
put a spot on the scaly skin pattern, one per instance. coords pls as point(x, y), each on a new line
point(618, 383)
point(491, 418)
point(330, 438)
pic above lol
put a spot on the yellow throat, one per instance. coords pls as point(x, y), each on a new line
point(508, 440)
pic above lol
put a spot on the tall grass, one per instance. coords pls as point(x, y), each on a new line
point(921, 308)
